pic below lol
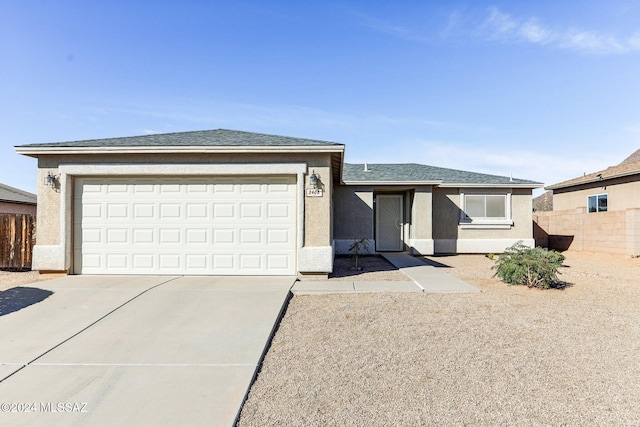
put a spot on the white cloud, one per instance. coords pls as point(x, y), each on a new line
point(592, 42)
point(401, 31)
point(499, 25)
point(535, 32)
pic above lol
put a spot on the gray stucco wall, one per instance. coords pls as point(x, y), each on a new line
point(452, 237)
point(353, 212)
point(446, 213)
point(355, 217)
point(421, 213)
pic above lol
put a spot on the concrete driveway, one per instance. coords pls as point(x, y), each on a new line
point(110, 350)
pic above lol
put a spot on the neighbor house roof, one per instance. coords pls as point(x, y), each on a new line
point(13, 195)
point(629, 166)
point(417, 174)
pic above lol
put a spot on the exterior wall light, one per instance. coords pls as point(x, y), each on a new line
point(313, 179)
point(51, 180)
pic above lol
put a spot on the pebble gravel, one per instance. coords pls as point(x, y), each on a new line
point(506, 356)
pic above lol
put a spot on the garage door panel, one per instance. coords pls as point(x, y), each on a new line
point(144, 210)
point(117, 261)
point(143, 261)
point(223, 236)
point(278, 261)
point(92, 210)
point(197, 210)
point(185, 226)
point(143, 236)
point(170, 261)
point(197, 236)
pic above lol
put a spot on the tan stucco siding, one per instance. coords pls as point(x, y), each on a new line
point(316, 211)
point(17, 208)
point(48, 220)
point(622, 194)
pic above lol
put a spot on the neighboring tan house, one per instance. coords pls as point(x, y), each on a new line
point(598, 212)
point(229, 202)
point(14, 201)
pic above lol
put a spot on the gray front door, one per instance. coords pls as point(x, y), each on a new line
point(389, 222)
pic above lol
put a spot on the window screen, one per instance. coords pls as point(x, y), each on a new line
point(485, 205)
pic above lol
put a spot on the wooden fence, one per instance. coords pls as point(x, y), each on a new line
point(17, 237)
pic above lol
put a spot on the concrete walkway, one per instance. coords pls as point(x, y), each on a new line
point(160, 351)
point(425, 278)
point(428, 277)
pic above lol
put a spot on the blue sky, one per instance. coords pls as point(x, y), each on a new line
point(542, 90)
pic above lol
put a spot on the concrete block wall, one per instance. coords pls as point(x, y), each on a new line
point(604, 232)
point(633, 232)
point(612, 232)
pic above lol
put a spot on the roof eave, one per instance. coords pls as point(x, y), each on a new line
point(392, 182)
point(591, 180)
point(18, 202)
point(155, 149)
point(488, 185)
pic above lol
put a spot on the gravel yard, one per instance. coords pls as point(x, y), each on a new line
point(503, 356)
point(11, 279)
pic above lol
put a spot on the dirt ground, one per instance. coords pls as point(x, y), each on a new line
point(507, 355)
point(11, 279)
point(372, 268)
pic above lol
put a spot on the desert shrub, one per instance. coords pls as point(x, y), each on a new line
point(533, 267)
point(357, 248)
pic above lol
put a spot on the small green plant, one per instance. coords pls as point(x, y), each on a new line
point(532, 267)
point(358, 247)
point(490, 256)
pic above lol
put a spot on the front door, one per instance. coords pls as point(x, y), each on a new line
point(389, 222)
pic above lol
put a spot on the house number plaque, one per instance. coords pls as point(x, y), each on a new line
point(314, 192)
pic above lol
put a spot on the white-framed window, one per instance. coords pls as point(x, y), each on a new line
point(485, 209)
point(597, 203)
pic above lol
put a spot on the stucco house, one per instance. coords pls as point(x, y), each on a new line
point(15, 201)
point(229, 202)
point(598, 212)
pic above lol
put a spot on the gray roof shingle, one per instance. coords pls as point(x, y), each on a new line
point(413, 172)
point(13, 195)
point(218, 137)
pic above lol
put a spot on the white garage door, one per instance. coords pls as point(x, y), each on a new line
point(226, 226)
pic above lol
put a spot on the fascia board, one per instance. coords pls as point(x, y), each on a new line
point(509, 185)
point(35, 151)
point(592, 180)
point(17, 202)
point(392, 182)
